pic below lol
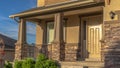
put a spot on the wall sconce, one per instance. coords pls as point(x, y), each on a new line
point(112, 15)
point(108, 2)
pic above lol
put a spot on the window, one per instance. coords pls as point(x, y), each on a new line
point(50, 32)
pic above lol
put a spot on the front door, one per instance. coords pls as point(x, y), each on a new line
point(93, 36)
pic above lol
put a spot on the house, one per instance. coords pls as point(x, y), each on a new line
point(9, 47)
point(82, 33)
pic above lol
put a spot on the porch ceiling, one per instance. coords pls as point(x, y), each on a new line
point(50, 9)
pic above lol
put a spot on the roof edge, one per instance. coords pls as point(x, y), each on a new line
point(52, 7)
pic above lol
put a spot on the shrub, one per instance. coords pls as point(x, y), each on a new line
point(51, 64)
point(28, 63)
point(7, 65)
point(43, 62)
point(41, 57)
point(40, 61)
point(18, 64)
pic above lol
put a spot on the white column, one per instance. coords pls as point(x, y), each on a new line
point(21, 47)
point(22, 32)
point(58, 27)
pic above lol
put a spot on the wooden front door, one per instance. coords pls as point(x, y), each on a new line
point(93, 36)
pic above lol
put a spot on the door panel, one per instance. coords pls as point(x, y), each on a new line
point(94, 29)
point(94, 45)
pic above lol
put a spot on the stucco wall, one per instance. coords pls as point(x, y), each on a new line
point(40, 30)
point(40, 3)
point(72, 29)
point(48, 2)
point(114, 5)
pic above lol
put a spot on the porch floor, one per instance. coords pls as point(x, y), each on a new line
point(82, 64)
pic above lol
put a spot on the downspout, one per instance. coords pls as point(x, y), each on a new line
point(18, 21)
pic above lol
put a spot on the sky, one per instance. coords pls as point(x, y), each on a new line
point(8, 26)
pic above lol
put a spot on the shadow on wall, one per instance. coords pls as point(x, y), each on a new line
point(112, 57)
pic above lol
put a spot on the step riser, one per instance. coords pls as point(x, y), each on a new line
point(78, 67)
point(72, 67)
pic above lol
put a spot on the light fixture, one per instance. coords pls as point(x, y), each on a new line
point(108, 2)
point(112, 15)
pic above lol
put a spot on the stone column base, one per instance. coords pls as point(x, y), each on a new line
point(21, 51)
point(55, 51)
point(42, 48)
point(58, 51)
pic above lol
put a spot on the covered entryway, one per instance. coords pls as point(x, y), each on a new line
point(66, 44)
point(92, 34)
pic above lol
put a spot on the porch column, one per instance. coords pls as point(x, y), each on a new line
point(58, 37)
point(21, 47)
point(22, 33)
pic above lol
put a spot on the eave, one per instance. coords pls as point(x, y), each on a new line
point(49, 9)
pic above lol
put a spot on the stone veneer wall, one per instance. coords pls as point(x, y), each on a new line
point(72, 52)
point(39, 48)
point(112, 44)
point(21, 51)
point(68, 52)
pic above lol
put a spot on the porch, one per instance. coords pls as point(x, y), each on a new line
point(64, 37)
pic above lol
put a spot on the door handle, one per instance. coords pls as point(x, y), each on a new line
point(102, 41)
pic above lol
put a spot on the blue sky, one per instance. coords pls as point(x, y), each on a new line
point(8, 26)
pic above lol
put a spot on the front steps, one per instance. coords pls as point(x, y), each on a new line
point(82, 64)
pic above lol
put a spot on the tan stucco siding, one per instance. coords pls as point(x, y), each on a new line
point(40, 29)
point(114, 5)
point(48, 2)
point(72, 29)
point(40, 3)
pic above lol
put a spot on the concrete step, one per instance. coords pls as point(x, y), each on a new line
point(82, 64)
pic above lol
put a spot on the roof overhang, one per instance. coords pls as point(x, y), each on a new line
point(67, 6)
